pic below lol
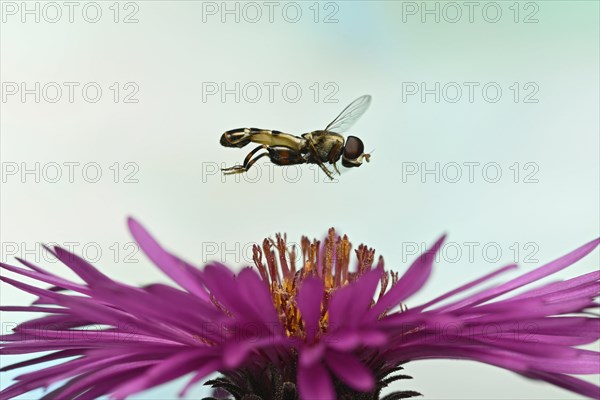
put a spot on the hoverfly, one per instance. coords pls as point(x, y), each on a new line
point(316, 147)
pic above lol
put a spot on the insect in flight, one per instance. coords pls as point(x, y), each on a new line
point(316, 147)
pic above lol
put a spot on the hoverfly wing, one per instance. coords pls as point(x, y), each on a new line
point(349, 115)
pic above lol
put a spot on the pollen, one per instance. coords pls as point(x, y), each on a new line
point(330, 261)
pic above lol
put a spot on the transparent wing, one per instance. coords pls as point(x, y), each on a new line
point(349, 115)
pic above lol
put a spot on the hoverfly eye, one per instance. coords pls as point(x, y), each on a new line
point(353, 148)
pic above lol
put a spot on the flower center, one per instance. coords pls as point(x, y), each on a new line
point(329, 261)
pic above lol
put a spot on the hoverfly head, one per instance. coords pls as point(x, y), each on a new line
point(354, 153)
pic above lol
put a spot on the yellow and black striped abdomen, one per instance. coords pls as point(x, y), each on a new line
point(242, 136)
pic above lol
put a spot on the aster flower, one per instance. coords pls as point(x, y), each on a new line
point(320, 330)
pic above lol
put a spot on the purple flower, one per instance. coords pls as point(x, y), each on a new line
point(320, 330)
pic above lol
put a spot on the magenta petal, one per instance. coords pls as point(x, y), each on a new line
point(526, 310)
point(373, 338)
point(112, 381)
point(220, 282)
point(363, 291)
point(187, 302)
point(467, 286)
point(349, 304)
point(96, 378)
point(34, 309)
point(34, 267)
point(48, 357)
point(410, 283)
point(170, 368)
point(54, 280)
point(181, 273)
point(347, 367)
point(56, 373)
point(52, 322)
point(85, 270)
point(568, 286)
point(258, 298)
point(206, 369)
point(235, 352)
point(344, 340)
point(236, 299)
point(309, 302)
point(348, 340)
point(309, 355)
point(339, 303)
point(314, 383)
point(31, 289)
point(527, 278)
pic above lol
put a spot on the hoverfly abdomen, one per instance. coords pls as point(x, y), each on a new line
point(239, 137)
point(281, 155)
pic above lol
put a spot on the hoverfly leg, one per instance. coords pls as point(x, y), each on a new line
point(318, 159)
point(248, 162)
point(332, 156)
point(236, 169)
point(239, 169)
point(336, 169)
point(327, 172)
point(253, 152)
